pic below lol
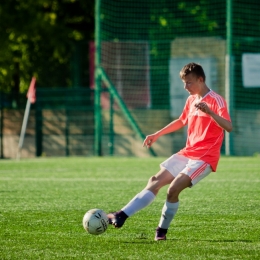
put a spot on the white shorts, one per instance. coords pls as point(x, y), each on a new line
point(195, 169)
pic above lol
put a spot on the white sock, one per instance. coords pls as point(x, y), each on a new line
point(140, 201)
point(168, 212)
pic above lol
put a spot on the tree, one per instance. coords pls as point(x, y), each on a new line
point(38, 38)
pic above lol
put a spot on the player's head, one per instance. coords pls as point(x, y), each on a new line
point(193, 68)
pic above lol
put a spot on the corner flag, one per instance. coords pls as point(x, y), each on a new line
point(31, 95)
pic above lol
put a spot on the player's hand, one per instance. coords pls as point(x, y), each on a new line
point(203, 107)
point(149, 140)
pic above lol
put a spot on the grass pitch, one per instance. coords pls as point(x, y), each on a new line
point(43, 202)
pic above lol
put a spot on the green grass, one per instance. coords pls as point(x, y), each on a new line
point(43, 202)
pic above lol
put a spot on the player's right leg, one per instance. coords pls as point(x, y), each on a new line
point(142, 199)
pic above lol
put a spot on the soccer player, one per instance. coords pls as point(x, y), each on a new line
point(206, 115)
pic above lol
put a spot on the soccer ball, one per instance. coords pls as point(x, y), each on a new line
point(95, 221)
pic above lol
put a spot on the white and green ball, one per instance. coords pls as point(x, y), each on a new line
point(95, 221)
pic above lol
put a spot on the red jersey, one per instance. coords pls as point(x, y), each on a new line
point(205, 136)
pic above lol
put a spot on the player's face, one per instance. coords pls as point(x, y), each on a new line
point(192, 84)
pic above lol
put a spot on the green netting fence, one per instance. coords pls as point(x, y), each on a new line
point(64, 122)
point(61, 123)
point(141, 47)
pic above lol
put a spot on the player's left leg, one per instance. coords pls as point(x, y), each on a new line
point(171, 205)
point(194, 171)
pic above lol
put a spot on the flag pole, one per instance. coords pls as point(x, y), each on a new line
point(31, 95)
point(25, 120)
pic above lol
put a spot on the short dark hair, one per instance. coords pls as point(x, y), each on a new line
point(194, 68)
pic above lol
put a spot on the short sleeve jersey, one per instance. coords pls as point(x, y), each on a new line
point(204, 135)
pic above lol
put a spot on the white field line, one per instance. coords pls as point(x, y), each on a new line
point(104, 179)
point(71, 179)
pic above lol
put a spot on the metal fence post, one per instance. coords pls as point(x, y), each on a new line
point(98, 114)
point(229, 75)
point(1, 127)
point(38, 125)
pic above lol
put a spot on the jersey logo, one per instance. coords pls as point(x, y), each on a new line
point(194, 111)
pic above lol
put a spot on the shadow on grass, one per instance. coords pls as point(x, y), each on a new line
point(229, 240)
point(145, 240)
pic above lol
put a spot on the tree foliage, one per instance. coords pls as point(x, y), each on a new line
point(38, 38)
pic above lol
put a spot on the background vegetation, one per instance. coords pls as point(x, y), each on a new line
point(41, 38)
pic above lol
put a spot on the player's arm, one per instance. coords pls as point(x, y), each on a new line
point(172, 127)
point(222, 122)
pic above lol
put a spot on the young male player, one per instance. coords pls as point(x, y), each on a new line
point(206, 115)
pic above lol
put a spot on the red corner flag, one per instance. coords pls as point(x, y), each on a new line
point(31, 94)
